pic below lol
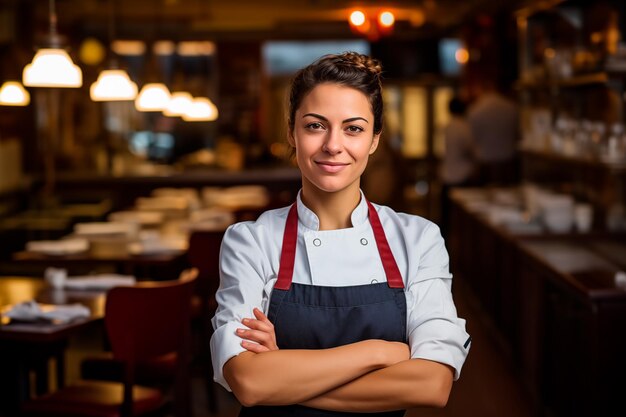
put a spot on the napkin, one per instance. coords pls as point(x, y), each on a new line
point(98, 282)
point(58, 247)
point(58, 314)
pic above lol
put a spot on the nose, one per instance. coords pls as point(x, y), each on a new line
point(333, 143)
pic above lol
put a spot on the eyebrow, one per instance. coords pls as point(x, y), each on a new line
point(319, 116)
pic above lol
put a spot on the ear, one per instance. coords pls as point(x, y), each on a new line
point(291, 139)
point(374, 145)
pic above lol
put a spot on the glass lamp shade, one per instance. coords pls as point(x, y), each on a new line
point(179, 104)
point(12, 93)
point(113, 85)
point(201, 110)
point(52, 68)
point(152, 97)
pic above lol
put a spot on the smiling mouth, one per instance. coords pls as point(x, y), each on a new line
point(331, 167)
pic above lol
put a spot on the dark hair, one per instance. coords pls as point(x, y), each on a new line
point(349, 69)
point(457, 106)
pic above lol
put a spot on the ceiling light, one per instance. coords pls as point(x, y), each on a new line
point(128, 47)
point(91, 51)
point(372, 24)
point(357, 18)
point(201, 110)
point(179, 104)
point(461, 56)
point(153, 97)
point(196, 48)
point(52, 68)
point(164, 48)
point(12, 93)
point(113, 85)
point(386, 19)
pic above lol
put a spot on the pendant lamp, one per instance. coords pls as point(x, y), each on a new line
point(13, 93)
point(201, 110)
point(113, 84)
point(52, 65)
point(179, 104)
point(153, 97)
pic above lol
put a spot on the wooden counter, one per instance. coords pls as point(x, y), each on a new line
point(282, 182)
point(553, 300)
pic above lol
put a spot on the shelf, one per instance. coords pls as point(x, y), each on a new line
point(598, 78)
point(618, 167)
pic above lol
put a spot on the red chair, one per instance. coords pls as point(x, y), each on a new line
point(203, 254)
point(145, 322)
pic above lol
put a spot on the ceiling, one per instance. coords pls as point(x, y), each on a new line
point(186, 19)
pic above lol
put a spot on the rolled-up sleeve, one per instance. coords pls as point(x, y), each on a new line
point(242, 272)
point(435, 331)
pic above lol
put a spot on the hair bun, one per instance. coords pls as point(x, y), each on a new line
point(366, 62)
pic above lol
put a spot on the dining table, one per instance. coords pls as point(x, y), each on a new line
point(27, 346)
point(152, 266)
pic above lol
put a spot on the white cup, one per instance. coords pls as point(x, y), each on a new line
point(55, 277)
point(583, 215)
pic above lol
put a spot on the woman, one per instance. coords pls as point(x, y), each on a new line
point(334, 305)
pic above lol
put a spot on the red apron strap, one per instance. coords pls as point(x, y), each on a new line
point(394, 278)
point(288, 251)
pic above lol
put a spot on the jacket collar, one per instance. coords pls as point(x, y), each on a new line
point(310, 220)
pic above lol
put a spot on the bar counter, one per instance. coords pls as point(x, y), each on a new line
point(553, 302)
point(283, 183)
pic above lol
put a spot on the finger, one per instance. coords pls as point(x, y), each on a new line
point(255, 336)
point(253, 347)
point(259, 315)
point(258, 325)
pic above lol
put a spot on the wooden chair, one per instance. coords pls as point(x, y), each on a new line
point(147, 321)
point(203, 254)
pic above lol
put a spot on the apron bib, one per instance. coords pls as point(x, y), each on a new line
point(319, 317)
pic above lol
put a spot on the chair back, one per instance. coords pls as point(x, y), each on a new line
point(149, 319)
point(204, 255)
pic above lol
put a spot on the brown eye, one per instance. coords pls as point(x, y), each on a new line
point(314, 126)
point(354, 129)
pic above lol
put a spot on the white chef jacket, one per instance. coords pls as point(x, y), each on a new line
point(250, 260)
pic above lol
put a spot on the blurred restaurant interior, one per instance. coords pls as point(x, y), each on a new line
point(132, 133)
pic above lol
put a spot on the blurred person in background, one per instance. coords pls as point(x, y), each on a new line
point(458, 166)
point(494, 120)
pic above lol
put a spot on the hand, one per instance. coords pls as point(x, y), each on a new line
point(261, 331)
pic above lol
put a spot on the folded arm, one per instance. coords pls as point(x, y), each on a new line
point(408, 384)
point(291, 376)
point(397, 385)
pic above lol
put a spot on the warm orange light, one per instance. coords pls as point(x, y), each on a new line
point(461, 55)
point(596, 37)
point(357, 18)
point(386, 19)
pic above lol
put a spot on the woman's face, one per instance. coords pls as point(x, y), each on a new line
point(334, 136)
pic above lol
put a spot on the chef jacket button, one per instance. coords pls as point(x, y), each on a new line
point(363, 241)
point(317, 242)
point(374, 281)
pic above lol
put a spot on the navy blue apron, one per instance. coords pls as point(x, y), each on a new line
point(318, 317)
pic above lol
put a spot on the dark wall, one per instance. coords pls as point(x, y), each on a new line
point(407, 59)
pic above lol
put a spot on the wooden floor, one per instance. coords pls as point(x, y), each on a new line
point(488, 386)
